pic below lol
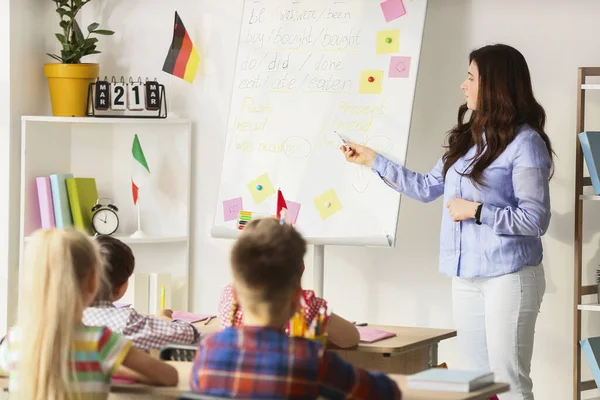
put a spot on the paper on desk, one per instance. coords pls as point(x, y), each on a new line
point(190, 317)
point(370, 335)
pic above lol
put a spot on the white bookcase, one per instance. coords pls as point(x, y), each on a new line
point(100, 148)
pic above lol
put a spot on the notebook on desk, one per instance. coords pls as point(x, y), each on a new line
point(370, 335)
point(189, 317)
point(449, 380)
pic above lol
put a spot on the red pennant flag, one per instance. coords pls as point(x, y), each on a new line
point(281, 204)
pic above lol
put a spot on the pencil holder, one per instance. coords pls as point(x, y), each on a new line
point(321, 339)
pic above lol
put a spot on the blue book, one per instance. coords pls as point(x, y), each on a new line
point(60, 198)
point(591, 349)
point(449, 380)
point(590, 145)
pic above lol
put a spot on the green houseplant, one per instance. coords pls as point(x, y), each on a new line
point(69, 79)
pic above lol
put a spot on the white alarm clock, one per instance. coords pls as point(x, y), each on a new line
point(105, 219)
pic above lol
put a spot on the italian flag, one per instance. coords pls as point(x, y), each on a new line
point(140, 168)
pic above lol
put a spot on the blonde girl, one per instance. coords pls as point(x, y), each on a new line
point(50, 354)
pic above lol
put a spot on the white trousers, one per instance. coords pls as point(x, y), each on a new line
point(495, 321)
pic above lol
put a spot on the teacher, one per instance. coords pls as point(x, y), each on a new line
point(494, 178)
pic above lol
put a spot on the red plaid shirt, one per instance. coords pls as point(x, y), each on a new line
point(263, 363)
point(312, 304)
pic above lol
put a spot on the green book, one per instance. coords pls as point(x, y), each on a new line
point(83, 195)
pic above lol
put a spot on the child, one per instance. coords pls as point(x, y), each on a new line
point(49, 353)
point(146, 332)
point(258, 360)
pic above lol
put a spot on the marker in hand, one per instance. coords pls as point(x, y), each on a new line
point(344, 141)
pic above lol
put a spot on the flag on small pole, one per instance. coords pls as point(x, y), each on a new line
point(182, 59)
point(140, 174)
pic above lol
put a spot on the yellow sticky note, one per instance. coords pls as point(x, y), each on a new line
point(371, 82)
point(387, 42)
point(328, 204)
point(261, 188)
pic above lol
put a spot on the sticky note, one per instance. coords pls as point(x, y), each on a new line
point(266, 188)
point(330, 198)
point(399, 67)
point(392, 9)
point(231, 208)
point(368, 87)
point(387, 42)
point(293, 210)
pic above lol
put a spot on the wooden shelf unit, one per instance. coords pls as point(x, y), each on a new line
point(581, 181)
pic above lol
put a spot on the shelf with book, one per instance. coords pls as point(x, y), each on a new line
point(587, 154)
point(98, 152)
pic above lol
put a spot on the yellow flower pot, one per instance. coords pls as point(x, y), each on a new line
point(68, 84)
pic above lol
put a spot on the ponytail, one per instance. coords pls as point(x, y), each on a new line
point(57, 264)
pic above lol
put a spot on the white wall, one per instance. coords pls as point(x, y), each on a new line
point(21, 92)
point(393, 286)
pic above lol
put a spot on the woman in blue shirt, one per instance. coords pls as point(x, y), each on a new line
point(494, 178)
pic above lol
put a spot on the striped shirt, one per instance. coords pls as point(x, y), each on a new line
point(98, 353)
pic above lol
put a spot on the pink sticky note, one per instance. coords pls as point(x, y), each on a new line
point(392, 9)
point(293, 209)
point(370, 335)
point(189, 317)
point(399, 67)
point(231, 208)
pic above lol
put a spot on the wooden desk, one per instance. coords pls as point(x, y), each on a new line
point(139, 391)
point(412, 350)
point(135, 392)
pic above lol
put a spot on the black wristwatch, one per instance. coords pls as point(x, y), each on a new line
point(478, 214)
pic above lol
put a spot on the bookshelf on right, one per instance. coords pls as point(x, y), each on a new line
point(585, 295)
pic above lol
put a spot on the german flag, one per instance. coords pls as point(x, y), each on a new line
point(182, 59)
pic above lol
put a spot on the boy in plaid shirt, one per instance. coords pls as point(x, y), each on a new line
point(146, 332)
point(258, 360)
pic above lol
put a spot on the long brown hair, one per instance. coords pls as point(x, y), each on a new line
point(504, 102)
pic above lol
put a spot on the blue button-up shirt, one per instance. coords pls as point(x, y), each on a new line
point(515, 212)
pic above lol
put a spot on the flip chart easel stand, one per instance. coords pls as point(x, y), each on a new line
point(319, 269)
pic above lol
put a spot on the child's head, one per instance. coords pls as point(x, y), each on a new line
point(267, 264)
point(119, 265)
point(62, 270)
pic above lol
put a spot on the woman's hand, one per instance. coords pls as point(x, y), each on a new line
point(358, 154)
point(461, 209)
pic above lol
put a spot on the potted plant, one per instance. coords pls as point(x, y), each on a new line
point(69, 79)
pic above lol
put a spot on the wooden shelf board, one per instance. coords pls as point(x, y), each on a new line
point(589, 307)
point(146, 240)
point(93, 120)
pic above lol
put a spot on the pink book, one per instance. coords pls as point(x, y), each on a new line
point(122, 379)
point(370, 335)
point(189, 317)
point(45, 201)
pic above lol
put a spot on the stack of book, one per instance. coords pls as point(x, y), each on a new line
point(448, 380)
point(65, 201)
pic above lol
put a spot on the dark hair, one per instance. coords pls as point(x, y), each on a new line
point(504, 102)
point(118, 267)
point(268, 258)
